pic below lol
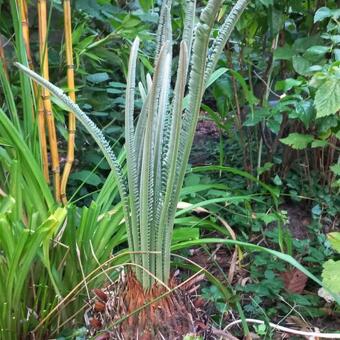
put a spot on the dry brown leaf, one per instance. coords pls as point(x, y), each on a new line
point(294, 280)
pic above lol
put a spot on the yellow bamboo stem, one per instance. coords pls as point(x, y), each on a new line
point(41, 112)
point(42, 138)
point(71, 93)
point(25, 30)
point(52, 135)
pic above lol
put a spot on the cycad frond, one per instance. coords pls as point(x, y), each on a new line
point(131, 155)
point(149, 160)
point(223, 35)
point(158, 148)
point(189, 22)
point(171, 156)
point(164, 31)
point(210, 11)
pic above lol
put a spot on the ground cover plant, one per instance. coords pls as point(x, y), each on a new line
point(243, 241)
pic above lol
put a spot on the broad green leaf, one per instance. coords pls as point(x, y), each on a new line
point(317, 143)
point(316, 210)
point(284, 53)
point(327, 98)
point(336, 52)
point(334, 239)
point(301, 65)
point(97, 77)
point(267, 218)
point(335, 168)
point(265, 167)
point(318, 50)
point(305, 111)
point(297, 141)
point(146, 4)
point(277, 180)
point(335, 38)
point(301, 45)
point(331, 275)
point(87, 177)
point(287, 84)
point(183, 234)
point(322, 13)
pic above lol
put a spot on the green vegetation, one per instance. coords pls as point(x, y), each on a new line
point(207, 153)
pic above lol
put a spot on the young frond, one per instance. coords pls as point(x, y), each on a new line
point(189, 22)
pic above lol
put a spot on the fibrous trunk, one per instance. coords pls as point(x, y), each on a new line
point(126, 311)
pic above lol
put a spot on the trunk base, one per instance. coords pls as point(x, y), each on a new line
point(120, 312)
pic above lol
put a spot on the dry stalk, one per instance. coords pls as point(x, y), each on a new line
point(71, 93)
point(42, 17)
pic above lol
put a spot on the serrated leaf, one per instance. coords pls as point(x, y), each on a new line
point(297, 141)
point(327, 98)
point(331, 275)
point(267, 218)
point(334, 240)
point(267, 166)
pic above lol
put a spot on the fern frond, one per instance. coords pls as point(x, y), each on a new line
point(223, 35)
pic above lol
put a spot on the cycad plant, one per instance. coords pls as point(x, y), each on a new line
point(158, 146)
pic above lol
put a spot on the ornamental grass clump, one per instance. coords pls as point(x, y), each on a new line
point(158, 148)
